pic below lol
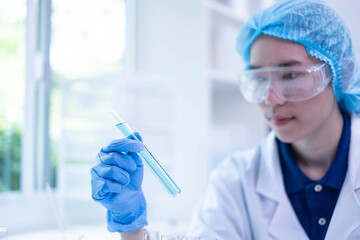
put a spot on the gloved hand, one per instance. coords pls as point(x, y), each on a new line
point(116, 182)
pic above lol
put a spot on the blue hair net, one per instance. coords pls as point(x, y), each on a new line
point(324, 34)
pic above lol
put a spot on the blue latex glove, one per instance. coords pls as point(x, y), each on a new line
point(116, 182)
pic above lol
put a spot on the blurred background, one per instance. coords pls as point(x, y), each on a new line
point(168, 67)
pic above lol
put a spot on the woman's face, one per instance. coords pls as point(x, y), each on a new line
point(291, 121)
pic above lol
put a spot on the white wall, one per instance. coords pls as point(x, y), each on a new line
point(170, 45)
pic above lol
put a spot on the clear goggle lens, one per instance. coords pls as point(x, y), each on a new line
point(291, 84)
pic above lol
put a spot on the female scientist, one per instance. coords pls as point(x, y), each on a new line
point(303, 180)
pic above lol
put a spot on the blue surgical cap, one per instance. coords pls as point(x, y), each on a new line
point(324, 34)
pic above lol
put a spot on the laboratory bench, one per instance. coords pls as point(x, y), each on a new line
point(71, 233)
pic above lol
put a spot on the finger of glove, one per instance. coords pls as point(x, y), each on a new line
point(124, 145)
point(112, 172)
point(135, 156)
point(124, 161)
point(99, 190)
point(137, 159)
point(101, 187)
point(138, 136)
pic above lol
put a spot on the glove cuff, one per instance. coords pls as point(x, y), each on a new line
point(120, 224)
point(114, 226)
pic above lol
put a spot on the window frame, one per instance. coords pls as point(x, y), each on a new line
point(21, 207)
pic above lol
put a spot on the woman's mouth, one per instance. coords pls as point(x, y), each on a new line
point(281, 121)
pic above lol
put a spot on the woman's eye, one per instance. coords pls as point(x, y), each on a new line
point(290, 75)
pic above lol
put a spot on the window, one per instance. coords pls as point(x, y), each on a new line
point(12, 82)
point(87, 55)
point(60, 64)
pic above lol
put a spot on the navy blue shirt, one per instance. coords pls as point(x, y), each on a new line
point(314, 201)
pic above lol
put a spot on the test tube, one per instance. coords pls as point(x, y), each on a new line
point(146, 156)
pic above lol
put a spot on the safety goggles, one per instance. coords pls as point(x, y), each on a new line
point(291, 84)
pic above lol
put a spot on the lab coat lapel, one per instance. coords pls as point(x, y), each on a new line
point(346, 216)
point(283, 224)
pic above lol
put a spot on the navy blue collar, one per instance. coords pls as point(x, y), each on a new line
point(295, 180)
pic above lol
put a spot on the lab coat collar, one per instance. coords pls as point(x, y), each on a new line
point(346, 216)
point(347, 211)
point(270, 185)
point(269, 181)
point(354, 152)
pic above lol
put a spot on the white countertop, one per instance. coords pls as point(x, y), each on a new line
point(73, 233)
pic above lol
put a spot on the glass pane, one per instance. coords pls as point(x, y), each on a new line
point(12, 90)
point(86, 57)
point(88, 37)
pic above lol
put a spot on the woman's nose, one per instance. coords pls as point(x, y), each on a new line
point(272, 99)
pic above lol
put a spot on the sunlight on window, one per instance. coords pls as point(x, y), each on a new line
point(12, 82)
point(89, 40)
point(86, 56)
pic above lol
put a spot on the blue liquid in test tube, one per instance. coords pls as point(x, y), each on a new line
point(146, 156)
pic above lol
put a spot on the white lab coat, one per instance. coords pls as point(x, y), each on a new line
point(246, 198)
